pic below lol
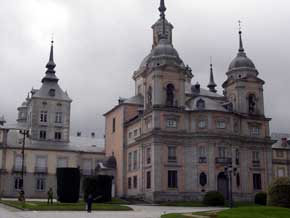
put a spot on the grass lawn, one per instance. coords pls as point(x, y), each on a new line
point(80, 206)
point(256, 212)
point(242, 212)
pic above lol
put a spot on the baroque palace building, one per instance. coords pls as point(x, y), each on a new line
point(45, 115)
point(172, 140)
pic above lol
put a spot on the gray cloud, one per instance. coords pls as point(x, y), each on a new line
point(99, 44)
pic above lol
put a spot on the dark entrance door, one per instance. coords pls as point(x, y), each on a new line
point(223, 184)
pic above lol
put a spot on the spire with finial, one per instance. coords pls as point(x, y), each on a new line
point(162, 10)
point(211, 85)
point(50, 72)
point(241, 48)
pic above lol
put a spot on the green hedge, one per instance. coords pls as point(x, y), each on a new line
point(279, 192)
point(261, 198)
point(214, 198)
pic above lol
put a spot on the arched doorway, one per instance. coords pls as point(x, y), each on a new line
point(223, 184)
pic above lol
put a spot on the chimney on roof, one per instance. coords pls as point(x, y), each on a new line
point(284, 142)
point(79, 134)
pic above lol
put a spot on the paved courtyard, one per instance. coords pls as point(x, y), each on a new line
point(139, 212)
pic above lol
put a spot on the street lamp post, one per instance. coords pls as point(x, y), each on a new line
point(25, 134)
point(228, 172)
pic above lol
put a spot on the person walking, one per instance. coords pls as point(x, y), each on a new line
point(89, 203)
point(50, 196)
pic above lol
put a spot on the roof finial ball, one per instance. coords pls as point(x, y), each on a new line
point(52, 38)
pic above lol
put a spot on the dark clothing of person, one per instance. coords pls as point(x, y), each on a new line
point(89, 203)
point(50, 196)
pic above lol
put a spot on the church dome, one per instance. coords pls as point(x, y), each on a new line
point(145, 61)
point(241, 61)
point(164, 49)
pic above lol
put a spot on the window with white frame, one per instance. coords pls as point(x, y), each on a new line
point(41, 164)
point(202, 154)
point(135, 160)
point(42, 134)
point(135, 132)
point(255, 131)
point(281, 172)
point(87, 167)
point(256, 156)
point(130, 161)
point(18, 183)
point(202, 124)
point(148, 123)
point(57, 136)
point(171, 123)
point(62, 162)
point(280, 153)
point(43, 116)
point(40, 184)
point(58, 117)
point(220, 124)
point(222, 152)
point(172, 154)
point(130, 135)
point(18, 162)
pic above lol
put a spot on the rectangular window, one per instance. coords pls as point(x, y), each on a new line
point(42, 135)
point(114, 125)
point(18, 162)
point(135, 132)
point(58, 117)
point(237, 157)
point(130, 135)
point(202, 154)
point(57, 136)
point(135, 160)
point(257, 183)
point(130, 161)
point(172, 154)
point(135, 181)
point(62, 162)
point(41, 164)
point(148, 155)
point(18, 183)
point(172, 179)
point(220, 124)
point(255, 131)
point(40, 184)
point(148, 123)
point(222, 152)
point(43, 116)
point(171, 123)
point(87, 167)
point(148, 179)
point(281, 172)
point(129, 183)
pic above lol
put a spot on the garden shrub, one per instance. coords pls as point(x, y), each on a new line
point(261, 198)
point(214, 198)
point(68, 184)
point(279, 192)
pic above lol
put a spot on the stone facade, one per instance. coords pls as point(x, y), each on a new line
point(173, 139)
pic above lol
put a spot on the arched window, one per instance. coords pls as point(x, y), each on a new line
point(202, 179)
point(149, 96)
point(200, 104)
point(252, 103)
point(170, 95)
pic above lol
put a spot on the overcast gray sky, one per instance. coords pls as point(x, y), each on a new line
point(99, 44)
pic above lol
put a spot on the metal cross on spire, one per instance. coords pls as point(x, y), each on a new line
point(162, 9)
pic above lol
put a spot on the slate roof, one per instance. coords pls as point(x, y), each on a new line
point(76, 144)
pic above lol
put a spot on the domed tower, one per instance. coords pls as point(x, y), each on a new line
point(243, 88)
point(162, 75)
